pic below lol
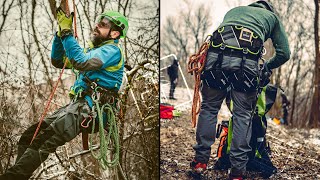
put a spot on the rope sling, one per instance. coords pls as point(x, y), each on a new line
point(112, 136)
point(196, 65)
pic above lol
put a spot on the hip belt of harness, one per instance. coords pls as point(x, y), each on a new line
point(109, 96)
point(226, 60)
point(237, 38)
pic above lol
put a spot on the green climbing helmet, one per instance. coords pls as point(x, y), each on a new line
point(118, 19)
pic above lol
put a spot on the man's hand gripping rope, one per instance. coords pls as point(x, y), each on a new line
point(196, 65)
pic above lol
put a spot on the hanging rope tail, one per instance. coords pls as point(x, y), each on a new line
point(196, 65)
point(48, 103)
point(56, 85)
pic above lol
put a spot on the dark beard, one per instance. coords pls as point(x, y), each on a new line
point(98, 39)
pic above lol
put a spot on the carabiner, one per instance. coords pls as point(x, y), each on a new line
point(95, 96)
point(208, 39)
point(85, 123)
point(93, 85)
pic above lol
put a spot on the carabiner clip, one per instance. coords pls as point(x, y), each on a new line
point(93, 85)
point(85, 123)
point(95, 96)
point(264, 51)
point(208, 39)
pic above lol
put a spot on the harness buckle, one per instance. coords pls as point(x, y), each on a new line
point(245, 51)
point(223, 46)
point(264, 51)
point(80, 94)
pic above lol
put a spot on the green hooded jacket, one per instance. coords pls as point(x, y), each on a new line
point(266, 25)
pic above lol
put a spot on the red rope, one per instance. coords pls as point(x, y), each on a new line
point(67, 7)
point(75, 20)
point(48, 103)
point(64, 66)
point(195, 66)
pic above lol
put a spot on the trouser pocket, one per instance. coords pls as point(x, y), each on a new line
point(215, 78)
point(68, 123)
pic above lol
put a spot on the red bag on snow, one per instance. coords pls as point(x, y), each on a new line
point(166, 111)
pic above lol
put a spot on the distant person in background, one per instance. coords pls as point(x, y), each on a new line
point(173, 76)
point(285, 105)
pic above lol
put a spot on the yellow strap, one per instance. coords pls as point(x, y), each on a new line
point(232, 47)
point(119, 65)
point(64, 59)
point(110, 68)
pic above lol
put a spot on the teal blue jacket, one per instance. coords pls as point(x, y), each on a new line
point(103, 64)
point(265, 24)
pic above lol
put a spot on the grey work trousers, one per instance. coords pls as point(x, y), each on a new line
point(243, 104)
point(57, 129)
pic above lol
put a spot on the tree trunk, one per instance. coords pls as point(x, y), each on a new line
point(315, 106)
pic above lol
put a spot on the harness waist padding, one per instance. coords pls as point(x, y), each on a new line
point(236, 38)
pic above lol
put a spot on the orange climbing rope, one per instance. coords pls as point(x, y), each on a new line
point(56, 85)
point(48, 103)
point(196, 64)
point(75, 20)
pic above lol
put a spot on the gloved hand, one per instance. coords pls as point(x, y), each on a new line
point(265, 74)
point(64, 23)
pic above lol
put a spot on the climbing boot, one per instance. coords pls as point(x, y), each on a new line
point(235, 175)
point(198, 167)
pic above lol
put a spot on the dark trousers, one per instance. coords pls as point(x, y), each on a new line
point(57, 129)
point(243, 84)
point(285, 115)
point(206, 126)
point(172, 89)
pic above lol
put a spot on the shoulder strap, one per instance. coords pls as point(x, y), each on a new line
point(121, 61)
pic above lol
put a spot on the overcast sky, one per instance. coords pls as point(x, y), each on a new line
point(218, 8)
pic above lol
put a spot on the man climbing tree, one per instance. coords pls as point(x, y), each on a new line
point(99, 71)
point(232, 63)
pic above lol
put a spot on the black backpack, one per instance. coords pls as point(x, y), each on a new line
point(259, 157)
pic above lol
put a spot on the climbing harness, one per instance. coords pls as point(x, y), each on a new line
point(196, 65)
point(242, 47)
point(104, 107)
point(236, 42)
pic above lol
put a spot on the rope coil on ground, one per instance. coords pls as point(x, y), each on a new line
point(196, 65)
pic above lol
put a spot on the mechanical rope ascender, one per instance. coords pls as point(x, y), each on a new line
point(196, 65)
